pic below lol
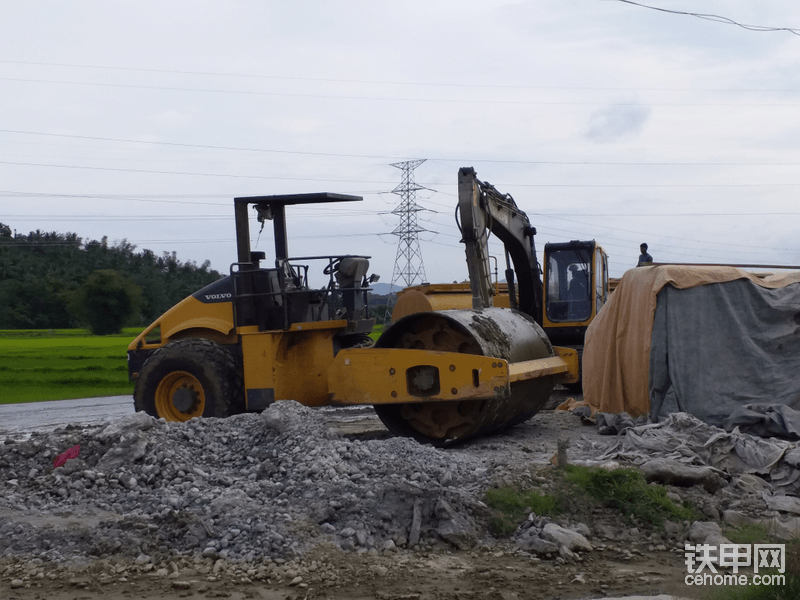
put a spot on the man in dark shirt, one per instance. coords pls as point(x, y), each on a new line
point(644, 257)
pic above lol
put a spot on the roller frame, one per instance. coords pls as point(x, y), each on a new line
point(380, 376)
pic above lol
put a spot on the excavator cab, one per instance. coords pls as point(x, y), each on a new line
point(575, 288)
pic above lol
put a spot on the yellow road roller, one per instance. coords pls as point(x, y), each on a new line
point(264, 334)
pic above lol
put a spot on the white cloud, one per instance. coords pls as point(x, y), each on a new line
point(616, 122)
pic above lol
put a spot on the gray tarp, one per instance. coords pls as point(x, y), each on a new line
point(684, 438)
point(719, 347)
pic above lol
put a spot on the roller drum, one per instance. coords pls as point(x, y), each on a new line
point(496, 332)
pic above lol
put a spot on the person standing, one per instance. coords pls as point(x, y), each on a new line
point(644, 257)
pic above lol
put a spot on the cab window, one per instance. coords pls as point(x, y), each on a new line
point(568, 285)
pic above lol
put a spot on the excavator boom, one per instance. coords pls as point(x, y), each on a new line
point(482, 210)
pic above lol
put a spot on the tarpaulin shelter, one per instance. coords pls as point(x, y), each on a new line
point(704, 340)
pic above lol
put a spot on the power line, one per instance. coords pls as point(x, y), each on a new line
point(193, 174)
point(204, 146)
point(661, 235)
point(650, 185)
point(282, 178)
point(391, 157)
point(460, 100)
point(710, 17)
point(151, 198)
point(671, 214)
point(111, 218)
point(383, 82)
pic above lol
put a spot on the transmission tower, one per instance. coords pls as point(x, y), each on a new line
point(408, 264)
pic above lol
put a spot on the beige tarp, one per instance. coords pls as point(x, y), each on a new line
point(616, 355)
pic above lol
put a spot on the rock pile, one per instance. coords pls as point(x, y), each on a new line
point(243, 488)
point(268, 496)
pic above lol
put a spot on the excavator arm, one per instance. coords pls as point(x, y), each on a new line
point(482, 209)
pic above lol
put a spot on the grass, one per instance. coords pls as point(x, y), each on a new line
point(582, 489)
point(790, 590)
point(511, 507)
point(748, 534)
point(60, 364)
point(627, 491)
point(376, 332)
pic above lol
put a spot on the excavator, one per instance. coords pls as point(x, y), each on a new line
point(264, 334)
point(563, 297)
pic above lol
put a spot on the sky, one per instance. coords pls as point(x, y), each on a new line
point(141, 121)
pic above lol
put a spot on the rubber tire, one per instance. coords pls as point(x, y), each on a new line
point(210, 364)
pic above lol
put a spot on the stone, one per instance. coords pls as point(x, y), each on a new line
point(565, 537)
point(452, 527)
point(786, 528)
point(605, 531)
point(532, 542)
point(138, 421)
point(672, 528)
point(790, 504)
point(707, 533)
point(416, 523)
point(673, 472)
point(198, 483)
point(583, 529)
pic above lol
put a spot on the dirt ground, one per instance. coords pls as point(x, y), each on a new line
point(456, 576)
point(622, 567)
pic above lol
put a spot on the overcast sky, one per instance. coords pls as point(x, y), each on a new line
point(143, 120)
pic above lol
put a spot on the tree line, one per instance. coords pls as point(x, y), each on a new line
point(51, 280)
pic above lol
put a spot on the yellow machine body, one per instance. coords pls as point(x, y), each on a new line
point(563, 317)
point(190, 317)
point(365, 376)
point(461, 384)
point(289, 365)
point(264, 334)
point(300, 363)
point(441, 296)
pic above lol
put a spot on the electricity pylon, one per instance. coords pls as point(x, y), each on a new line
point(408, 264)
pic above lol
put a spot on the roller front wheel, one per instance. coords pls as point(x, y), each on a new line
point(187, 379)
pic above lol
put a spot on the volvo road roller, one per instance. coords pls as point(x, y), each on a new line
point(264, 334)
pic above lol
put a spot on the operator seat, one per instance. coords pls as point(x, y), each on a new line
point(349, 275)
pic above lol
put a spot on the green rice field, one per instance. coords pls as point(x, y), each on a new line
point(61, 364)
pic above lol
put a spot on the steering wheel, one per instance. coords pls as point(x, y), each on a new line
point(332, 267)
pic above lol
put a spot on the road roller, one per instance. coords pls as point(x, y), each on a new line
point(265, 333)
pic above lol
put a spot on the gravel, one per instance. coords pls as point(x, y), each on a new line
point(281, 496)
point(274, 485)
